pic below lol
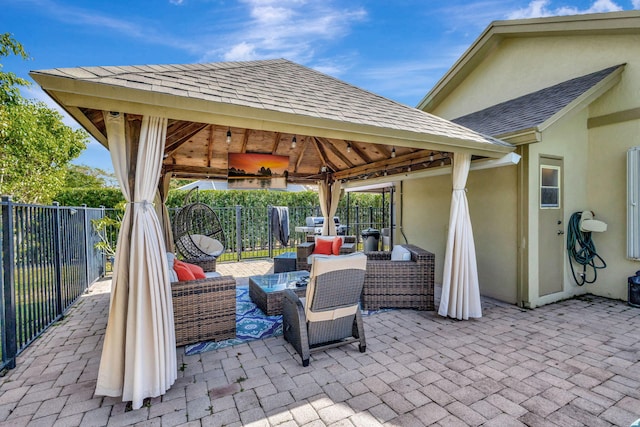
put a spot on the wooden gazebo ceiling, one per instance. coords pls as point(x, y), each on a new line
point(199, 150)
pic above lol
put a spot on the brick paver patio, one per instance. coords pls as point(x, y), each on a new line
point(573, 363)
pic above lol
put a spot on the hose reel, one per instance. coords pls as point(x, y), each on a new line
point(580, 246)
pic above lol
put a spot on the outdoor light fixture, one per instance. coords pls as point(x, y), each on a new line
point(229, 136)
point(294, 141)
point(409, 168)
point(348, 147)
point(431, 157)
point(385, 172)
point(393, 152)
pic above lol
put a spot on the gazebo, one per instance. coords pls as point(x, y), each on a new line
point(164, 121)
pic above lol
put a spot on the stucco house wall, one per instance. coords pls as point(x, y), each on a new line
point(594, 161)
point(492, 205)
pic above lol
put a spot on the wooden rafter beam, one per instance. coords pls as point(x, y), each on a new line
point(245, 140)
point(323, 154)
point(210, 145)
point(276, 143)
point(180, 132)
point(421, 156)
point(300, 150)
point(354, 147)
point(336, 151)
point(196, 170)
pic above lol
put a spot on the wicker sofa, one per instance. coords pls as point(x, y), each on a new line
point(304, 250)
point(399, 284)
point(204, 309)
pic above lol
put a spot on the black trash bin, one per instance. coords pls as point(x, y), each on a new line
point(634, 290)
point(370, 239)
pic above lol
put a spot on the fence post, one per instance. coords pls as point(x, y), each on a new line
point(86, 246)
point(103, 271)
point(392, 219)
point(357, 223)
point(57, 257)
point(269, 230)
point(348, 209)
point(9, 338)
point(239, 232)
point(371, 224)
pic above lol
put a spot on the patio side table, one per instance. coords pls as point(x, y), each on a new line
point(284, 262)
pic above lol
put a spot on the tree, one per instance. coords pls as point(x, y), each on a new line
point(82, 176)
point(9, 82)
point(35, 145)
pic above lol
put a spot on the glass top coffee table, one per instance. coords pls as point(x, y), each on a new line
point(267, 291)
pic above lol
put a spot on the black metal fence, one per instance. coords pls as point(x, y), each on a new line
point(49, 256)
point(49, 259)
point(248, 236)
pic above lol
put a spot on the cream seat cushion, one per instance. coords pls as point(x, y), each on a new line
point(207, 244)
point(400, 253)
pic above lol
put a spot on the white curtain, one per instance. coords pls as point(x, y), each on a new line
point(460, 288)
point(329, 195)
point(139, 351)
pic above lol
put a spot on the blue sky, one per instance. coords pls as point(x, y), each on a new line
point(398, 49)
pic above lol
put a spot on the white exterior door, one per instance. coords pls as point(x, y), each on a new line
point(551, 229)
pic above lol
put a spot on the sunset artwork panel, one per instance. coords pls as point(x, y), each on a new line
point(257, 171)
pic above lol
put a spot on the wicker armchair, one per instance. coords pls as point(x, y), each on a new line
point(399, 284)
point(329, 315)
point(303, 250)
point(204, 309)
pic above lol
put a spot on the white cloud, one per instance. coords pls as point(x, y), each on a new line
point(257, 29)
point(243, 51)
point(293, 29)
point(541, 8)
point(636, 4)
point(143, 29)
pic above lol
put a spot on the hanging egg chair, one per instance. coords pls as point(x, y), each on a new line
point(198, 234)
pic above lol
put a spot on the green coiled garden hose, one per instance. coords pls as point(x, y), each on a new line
point(582, 250)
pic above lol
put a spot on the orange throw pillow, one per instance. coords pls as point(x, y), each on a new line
point(336, 245)
point(183, 272)
point(323, 247)
point(196, 270)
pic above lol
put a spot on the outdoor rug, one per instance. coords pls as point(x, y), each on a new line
point(251, 324)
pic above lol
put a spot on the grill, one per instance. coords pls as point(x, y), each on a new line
point(313, 225)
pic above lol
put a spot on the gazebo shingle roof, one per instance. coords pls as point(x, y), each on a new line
point(277, 85)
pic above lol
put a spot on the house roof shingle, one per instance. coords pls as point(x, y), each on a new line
point(531, 110)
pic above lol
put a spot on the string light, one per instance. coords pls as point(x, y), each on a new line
point(294, 141)
point(348, 147)
point(229, 136)
point(431, 157)
point(409, 168)
point(393, 152)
